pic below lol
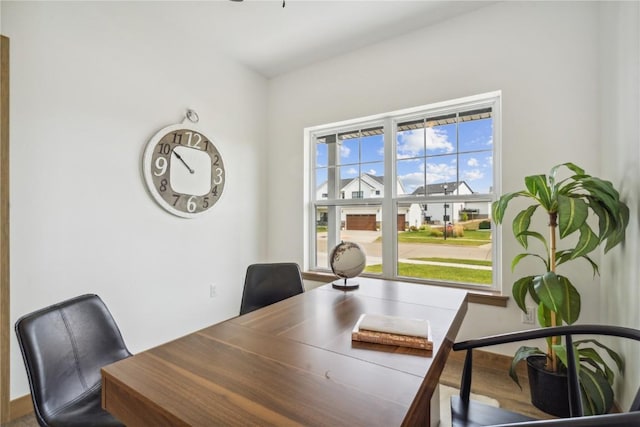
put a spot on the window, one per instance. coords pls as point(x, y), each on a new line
point(413, 188)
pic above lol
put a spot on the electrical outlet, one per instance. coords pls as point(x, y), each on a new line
point(528, 317)
point(212, 291)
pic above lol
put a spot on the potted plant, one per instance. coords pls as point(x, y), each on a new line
point(571, 205)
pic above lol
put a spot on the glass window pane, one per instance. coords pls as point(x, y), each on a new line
point(361, 224)
point(411, 176)
point(463, 255)
point(321, 237)
point(440, 139)
point(476, 172)
point(372, 148)
point(442, 169)
point(410, 143)
point(322, 190)
point(322, 154)
point(476, 135)
point(349, 152)
point(349, 181)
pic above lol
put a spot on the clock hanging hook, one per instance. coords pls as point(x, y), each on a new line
point(192, 116)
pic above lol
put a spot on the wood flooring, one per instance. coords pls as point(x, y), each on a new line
point(490, 378)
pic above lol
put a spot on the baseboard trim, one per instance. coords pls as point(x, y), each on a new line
point(20, 407)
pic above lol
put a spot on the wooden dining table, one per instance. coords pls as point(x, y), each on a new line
point(294, 363)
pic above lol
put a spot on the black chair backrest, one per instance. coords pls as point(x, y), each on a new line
point(63, 347)
point(266, 284)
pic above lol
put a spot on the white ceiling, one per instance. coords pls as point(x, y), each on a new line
point(273, 40)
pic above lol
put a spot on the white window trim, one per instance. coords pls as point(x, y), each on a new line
point(390, 200)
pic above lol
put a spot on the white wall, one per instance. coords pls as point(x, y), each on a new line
point(543, 56)
point(620, 151)
point(90, 84)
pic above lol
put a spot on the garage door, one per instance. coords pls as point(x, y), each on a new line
point(361, 222)
point(401, 222)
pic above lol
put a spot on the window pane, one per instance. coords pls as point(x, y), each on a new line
point(462, 256)
point(411, 175)
point(322, 156)
point(476, 135)
point(349, 151)
point(322, 190)
point(372, 148)
point(442, 169)
point(359, 224)
point(410, 143)
point(440, 139)
point(476, 171)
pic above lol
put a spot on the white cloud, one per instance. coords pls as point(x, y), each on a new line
point(344, 151)
point(437, 172)
point(438, 140)
point(412, 143)
point(472, 175)
point(352, 171)
point(372, 172)
point(411, 181)
point(473, 162)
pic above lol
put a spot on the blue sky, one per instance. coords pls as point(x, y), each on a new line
point(427, 153)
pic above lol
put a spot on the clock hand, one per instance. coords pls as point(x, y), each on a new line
point(183, 162)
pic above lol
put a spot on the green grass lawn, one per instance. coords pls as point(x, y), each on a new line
point(436, 272)
point(471, 238)
point(457, 261)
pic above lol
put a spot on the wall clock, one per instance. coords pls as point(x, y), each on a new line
point(183, 170)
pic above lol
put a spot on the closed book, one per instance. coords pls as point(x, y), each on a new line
point(393, 330)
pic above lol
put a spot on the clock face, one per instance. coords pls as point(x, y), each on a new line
point(183, 170)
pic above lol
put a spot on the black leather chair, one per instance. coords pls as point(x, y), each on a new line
point(467, 413)
point(63, 347)
point(266, 284)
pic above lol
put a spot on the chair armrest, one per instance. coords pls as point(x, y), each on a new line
point(627, 419)
point(618, 331)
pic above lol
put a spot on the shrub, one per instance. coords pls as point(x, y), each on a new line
point(485, 225)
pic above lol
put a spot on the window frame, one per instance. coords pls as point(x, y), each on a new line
point(390, 200)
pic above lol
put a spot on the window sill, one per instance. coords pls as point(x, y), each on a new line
point(475, 296)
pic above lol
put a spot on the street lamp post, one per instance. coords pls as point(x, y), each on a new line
point(445, 217)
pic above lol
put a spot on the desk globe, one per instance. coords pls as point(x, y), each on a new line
point(347, 260)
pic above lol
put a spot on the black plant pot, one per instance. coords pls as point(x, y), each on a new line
point(548, 389)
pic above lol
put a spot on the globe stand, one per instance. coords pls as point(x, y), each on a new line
point(346, 286)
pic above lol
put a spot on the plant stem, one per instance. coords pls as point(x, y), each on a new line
point(553, 223)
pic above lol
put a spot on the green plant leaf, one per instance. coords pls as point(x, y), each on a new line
point(605, 223)
point(520, 290)
point(597, 388)
point(602, 191)
point(612, 354)
point(521, 354)
point(570, 308)
point(499, 206)
point(588, 242)
point(590, 355)
point(544, 318)
point(549, 289)
point(538, 236)
point(572, 213)
point(521, 224)
point(571, 166)
point(537, 186)
point(518, 257)
point(622, 220)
